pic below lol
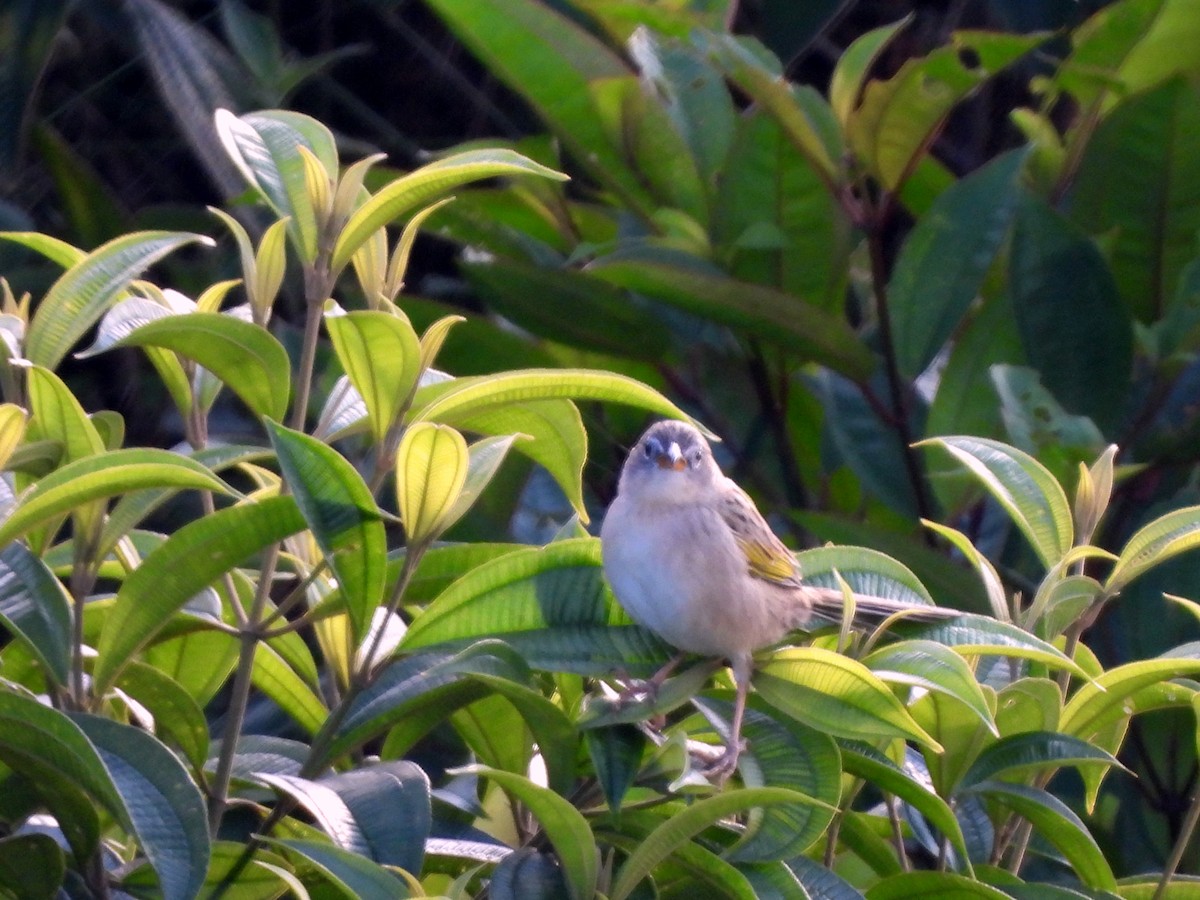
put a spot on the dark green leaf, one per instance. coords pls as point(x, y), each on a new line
point(343, 517)
point(349, 874)
point(1074, 328)
point(162, 803)
point(31, 867)
point(36, 608)
point(945, 257)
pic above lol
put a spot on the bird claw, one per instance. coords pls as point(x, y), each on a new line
point(719, 769)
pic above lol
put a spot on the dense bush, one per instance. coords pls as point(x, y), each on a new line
point(296, 657)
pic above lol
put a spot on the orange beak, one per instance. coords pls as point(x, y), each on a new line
point(672, 459)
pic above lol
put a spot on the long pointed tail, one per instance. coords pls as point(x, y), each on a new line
point(828, 603)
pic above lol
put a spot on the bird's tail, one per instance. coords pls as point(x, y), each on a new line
point(830, 605)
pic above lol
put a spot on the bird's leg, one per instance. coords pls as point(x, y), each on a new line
point(649, 688)
point(725, 764)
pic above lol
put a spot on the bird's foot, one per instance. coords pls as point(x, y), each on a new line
point(719, 769)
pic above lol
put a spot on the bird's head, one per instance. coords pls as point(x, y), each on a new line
point(671, 462)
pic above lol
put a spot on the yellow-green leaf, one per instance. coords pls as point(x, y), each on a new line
point(431, 468)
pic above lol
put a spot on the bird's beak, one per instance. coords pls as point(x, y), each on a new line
point(672, 458)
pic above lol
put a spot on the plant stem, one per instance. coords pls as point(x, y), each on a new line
point(239, 698)
point(316, 289)
point(1185, 836)
point(895, 381)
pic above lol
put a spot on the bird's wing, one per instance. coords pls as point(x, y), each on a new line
point(766, 556)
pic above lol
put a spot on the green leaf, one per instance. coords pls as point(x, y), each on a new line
point(616, 753)
point(1033, 751)
point(1059, 825)
point(836, 695)
point(178, 719)
point(945, 257)
point(190, 560)
point(1152, 210)
point(343, 517)
point(279, 681)
point(984, 636)
point(244, 356)
point(427, 684)
point(105, 475)
point(601, 317)
point(1105, 700)
point(264, 147)
point(431, 469)
point(854, 65)
point(775, 221)
point(55, 250)
point(802, 113)
point(565, 828)
point(419, 188)
point(1075, 330)
point(1153, 544)
point(898, 117)
point(784, 754)
point(763, 312)
point(390, 803)
point(59, 417)
point(163, 805)
point(915, 885)
point(31, 866)
point(932, 667)
point(548, 602)
point(35, 608)
point(381, 356)
point(867, 571)
point(76, 300)
point(679, 829)
point(349, 874)
point(553, 64)
point(62, 762)
point(864, 761)
point(1023, 486)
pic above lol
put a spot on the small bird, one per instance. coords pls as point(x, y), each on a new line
point(689, 556)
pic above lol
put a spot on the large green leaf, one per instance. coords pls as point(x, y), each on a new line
point(944, 258)
point(35, 608)
point(77, 299)
point(381, 356)
point(553, 64)
point(163, 804)
point(55, 250)
point(265, 149)
point(565, 827)
point(1023, 486)
point(1153, 544)
point(1059, 825)
point(279, 681)
point(985, 636)
point(244, 356)
point(58, 416)
point(931, 667)
point(105, 475)
point(835, 694)
point(1100, 703)
point(914, 885)
point(343, 517)
point(785, 754)
point(31, 866)
point(178, 719)
point(864, 761)
point(569, 306)
point(1075, 330)
point(763, 312)
point(190, 560)
point(1032, 751)
point(348, 875)
point(1153, 208)
point(423, 186)
point(390, 804)
point(680, 828)
point(775, 222)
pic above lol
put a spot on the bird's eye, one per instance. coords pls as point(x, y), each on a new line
point(647, 450)
point(695, 456)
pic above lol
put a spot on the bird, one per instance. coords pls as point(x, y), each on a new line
point(689, 557)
